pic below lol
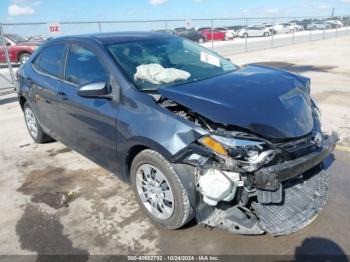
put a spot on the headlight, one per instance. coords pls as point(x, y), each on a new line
point(234, 147)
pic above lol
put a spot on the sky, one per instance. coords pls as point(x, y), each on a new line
point(19, 11)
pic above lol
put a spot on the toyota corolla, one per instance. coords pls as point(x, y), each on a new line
point(238, 148)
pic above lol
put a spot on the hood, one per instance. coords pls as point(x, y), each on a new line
point(272, 103)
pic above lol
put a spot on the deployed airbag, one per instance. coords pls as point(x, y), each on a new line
point(157, 74)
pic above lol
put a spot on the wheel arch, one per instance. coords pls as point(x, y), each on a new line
point(22, 100)
point(126, 157)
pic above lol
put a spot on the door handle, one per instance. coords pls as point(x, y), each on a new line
point(63, 96)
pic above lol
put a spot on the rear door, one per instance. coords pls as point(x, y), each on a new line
point(89, 123)
point(42, 84)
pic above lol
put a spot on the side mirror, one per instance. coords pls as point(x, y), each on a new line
point(95, 90)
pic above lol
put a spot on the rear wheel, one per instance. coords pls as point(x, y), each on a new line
point(33, 126)
point(159, 190)
point(245, 35)
point(266, 34)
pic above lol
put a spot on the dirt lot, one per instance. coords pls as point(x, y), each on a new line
point(54, 201)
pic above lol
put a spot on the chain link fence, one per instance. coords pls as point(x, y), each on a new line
point(245, 35)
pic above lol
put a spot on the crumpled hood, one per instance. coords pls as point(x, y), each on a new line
point(269, 102)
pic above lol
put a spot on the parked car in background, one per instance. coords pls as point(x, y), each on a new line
point(200, 29)
point(334, 23)
point(318, 25)
point(296, 27)
point(197, 137)
point(214, 34)
point(254, 30)
point(192, 35)
point(168, 31)
point(180, 29)
point(236, 28)
point(269, 26)
point(282, 28)
point(18, 47)
point(229, 34)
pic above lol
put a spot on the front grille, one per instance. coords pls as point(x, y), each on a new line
point(298, 148)
point(303, 200)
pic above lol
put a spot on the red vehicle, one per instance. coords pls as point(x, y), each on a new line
point(19, 48)
point(208, 34)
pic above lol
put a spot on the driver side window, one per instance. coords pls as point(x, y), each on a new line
point(83, 66)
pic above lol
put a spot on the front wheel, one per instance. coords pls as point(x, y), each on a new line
point(159, 191)
point(266, 34)
point(33, 126)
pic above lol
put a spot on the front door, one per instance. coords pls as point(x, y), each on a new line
point(89, 124)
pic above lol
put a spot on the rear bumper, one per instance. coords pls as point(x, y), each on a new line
point(269, 178)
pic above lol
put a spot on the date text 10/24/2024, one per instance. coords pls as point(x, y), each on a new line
point(173, 258)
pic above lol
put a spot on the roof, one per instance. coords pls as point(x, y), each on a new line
point(117, 37)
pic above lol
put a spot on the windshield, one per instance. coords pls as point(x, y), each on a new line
point(16, 38)
point(154, 63)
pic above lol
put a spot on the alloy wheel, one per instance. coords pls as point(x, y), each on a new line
point(155, 192)
point(31, 122)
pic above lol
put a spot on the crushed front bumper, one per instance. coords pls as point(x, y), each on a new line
point(300, 187)
point(269, 178)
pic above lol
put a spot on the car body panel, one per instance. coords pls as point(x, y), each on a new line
point(214, 34)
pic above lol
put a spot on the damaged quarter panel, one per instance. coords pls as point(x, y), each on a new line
point(247, 98)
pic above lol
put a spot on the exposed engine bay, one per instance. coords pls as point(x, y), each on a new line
point(248, 184)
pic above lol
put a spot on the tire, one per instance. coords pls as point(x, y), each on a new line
point(23, 58)
point(33, 126)
point(150, 163)
point(266, 34)
point(201, 40)
point(245, 35)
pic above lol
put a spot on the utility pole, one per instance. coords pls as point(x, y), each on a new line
point(333, 13)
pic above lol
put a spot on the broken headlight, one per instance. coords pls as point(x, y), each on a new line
point(252, 154)
point(248, 150)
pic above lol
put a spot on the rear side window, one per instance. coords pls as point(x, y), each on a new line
point(49, 61)
point(83, 66)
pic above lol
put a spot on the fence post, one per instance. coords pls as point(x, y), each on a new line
point(273, 31)
point(212, 34)
point(246, 37)
point(310, 36)
point(99, 27)
point(8, 60)
point(324, 29)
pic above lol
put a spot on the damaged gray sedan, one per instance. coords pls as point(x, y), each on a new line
point(238, 148)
